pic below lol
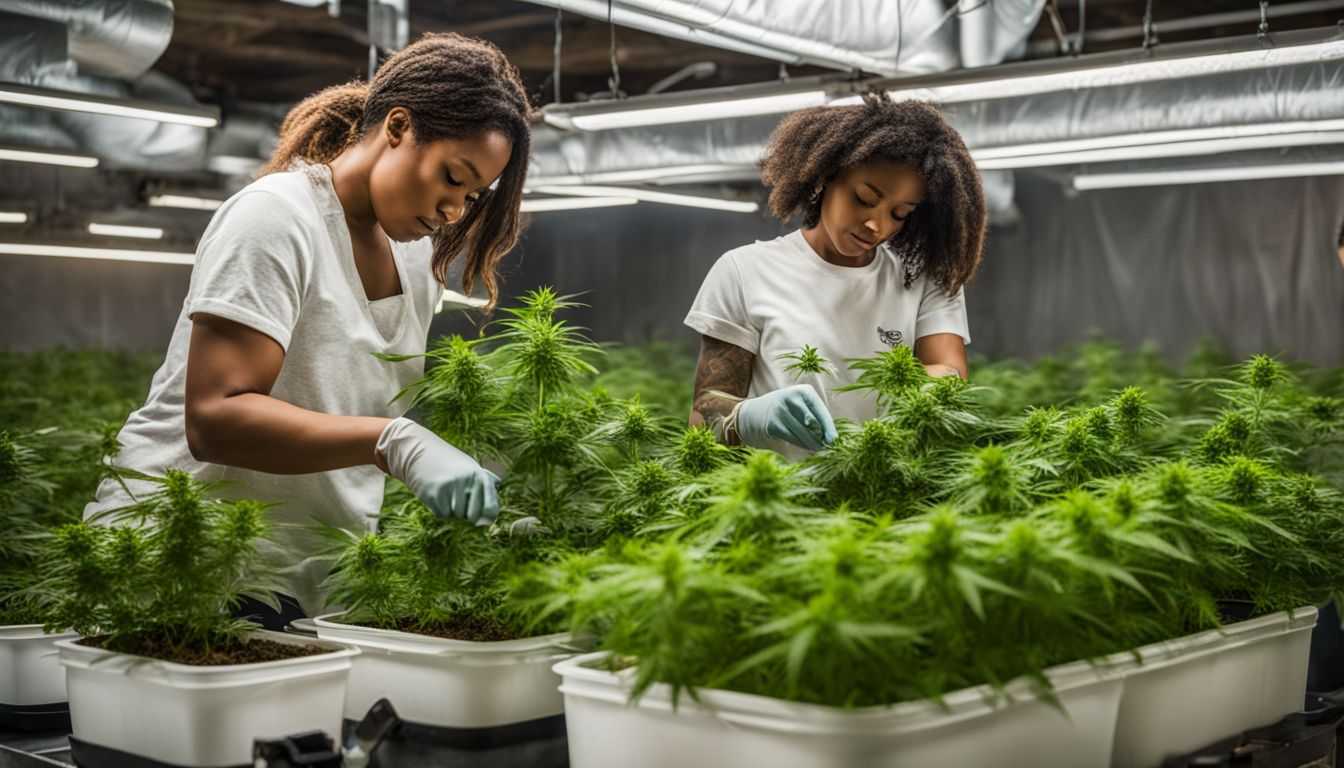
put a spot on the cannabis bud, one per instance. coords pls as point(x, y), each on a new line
point(1262, 372)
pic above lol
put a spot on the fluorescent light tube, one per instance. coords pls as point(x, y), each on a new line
point(1138, 147)
point(46, 98)
point(185, 201)
point(652, 196)
point(115, 254)
point(1089, 181)
point(1115, 74)
point(652, 175)
point(690, 112)
point(233, 165)
point(13, 217)
point(50, 158)
point(570, 203)
point(117, 230)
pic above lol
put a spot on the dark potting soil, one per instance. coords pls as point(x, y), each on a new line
point(472, 628)
point(251, 652)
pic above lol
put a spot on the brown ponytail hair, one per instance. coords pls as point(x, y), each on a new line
point(453, 87)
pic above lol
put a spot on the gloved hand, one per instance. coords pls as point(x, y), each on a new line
point(447, 480)
point(795, 414)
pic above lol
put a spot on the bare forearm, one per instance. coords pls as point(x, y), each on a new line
point(939, 369)
point(711, 410)
point(261, 433)
point(722, 379)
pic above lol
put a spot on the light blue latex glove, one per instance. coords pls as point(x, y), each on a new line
point(445, 479)
point(794, 414)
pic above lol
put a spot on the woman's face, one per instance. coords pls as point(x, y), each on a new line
point(416, 187)
point(866, 205)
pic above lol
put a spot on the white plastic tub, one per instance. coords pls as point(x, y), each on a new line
point(1192, 691)
point(729, 730)
point(30, 669)
point(202, 716)
point(451, 683)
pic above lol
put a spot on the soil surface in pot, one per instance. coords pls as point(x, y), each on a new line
point(472, 628)
point(251, 652)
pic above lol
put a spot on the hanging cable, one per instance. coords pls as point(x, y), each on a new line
point(1082, 27)
point(1149, 29)
point(555, 57)
point(615, 82)
point(1264, 20)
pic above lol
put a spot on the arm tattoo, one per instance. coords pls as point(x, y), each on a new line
point(722, 378)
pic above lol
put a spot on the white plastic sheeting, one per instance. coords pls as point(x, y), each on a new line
point(1253, 264)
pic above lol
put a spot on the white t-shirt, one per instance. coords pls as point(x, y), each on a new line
point(775, 296)
point(277, 258)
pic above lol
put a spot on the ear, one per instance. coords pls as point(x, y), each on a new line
point(397, 126)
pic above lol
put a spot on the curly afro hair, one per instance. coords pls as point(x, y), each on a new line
point(944, 236)
point(452, 86)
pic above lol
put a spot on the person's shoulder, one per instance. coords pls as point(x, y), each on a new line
point(761, 253)
point(287, 190)
point(273, 205)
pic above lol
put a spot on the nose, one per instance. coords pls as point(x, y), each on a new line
point(450, 211)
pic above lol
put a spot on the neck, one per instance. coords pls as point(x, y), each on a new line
point(820, 241)
point(350, 173)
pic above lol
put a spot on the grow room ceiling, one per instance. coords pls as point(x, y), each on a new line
point(221, 73)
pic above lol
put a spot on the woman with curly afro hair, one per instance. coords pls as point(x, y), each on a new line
point(893, 226)
point(310, 284)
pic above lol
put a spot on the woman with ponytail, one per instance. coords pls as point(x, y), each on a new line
point(338, 253)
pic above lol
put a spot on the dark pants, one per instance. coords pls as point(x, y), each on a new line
point(268, 617)
point(1325, 670)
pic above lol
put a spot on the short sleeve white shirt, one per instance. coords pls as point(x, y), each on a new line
point(277, 258)
point(775, 296)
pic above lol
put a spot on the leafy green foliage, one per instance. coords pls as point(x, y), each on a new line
point(579, 467)
point(170, 572)
point(953, 542)
point(805, 361)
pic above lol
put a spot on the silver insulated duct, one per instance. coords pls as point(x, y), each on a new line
point(112, 38)
point(102, 49)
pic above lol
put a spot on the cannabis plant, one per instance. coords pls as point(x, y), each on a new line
point(806, 361)
point(165, 576)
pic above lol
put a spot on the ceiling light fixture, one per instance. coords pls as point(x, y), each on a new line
point(653, 196)
point(47, 98)
point(572, 203)
point(118, 230)
point(114, 254)
point(47, 156)
point(1158, 144)
point(13, 217)
point(662, 175)
point(1027, 80)
point(625, 115)
point(1171, 62)
point(1089, 181)
point(185, 201)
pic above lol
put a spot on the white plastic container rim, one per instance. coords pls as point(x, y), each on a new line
point(466, 652)
point(1166, 653)
point(772, 714)
point(197, 677)
point(30, 632)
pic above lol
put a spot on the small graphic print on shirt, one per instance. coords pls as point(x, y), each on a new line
point(890, 338)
